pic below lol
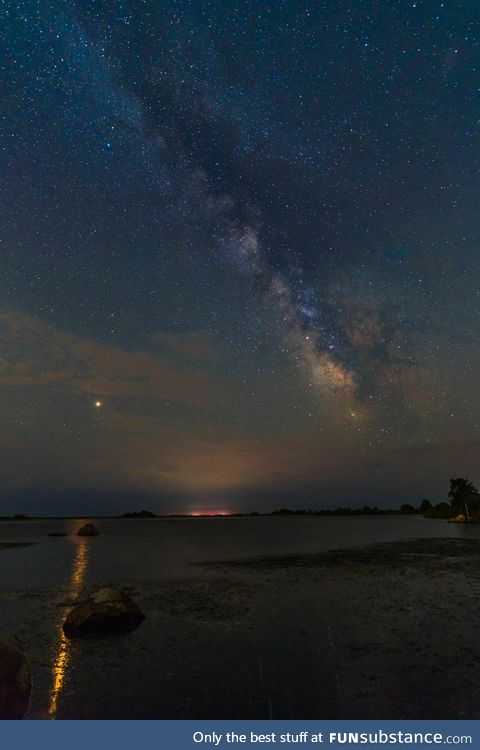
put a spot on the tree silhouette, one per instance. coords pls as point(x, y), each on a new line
point(463, 492)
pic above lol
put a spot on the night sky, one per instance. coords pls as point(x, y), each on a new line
point(239, 253)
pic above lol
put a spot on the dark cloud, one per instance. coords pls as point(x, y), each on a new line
point(250, 231)
point(41, 355)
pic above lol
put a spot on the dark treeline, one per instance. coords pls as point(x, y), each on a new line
point(366, 510)
point(463, 503)
point(464, 500)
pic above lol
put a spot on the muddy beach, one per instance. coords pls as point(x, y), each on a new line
point(379, 631)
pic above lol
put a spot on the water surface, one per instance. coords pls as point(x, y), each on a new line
point(212, 644)
point(148, 550)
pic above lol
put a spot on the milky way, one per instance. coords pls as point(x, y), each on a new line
point(250, 231)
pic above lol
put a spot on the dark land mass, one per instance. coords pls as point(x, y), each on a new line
point(424, 551)
point(146, 514)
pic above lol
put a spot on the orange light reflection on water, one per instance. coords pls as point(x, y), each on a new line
point(62, 657)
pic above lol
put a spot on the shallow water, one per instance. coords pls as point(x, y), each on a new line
point(200, 650)
point(149, 550)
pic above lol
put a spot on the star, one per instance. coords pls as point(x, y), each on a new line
point(230, 242)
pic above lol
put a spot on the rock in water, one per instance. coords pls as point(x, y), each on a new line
point(106, 611)
point(15, 679)
point(88, 530)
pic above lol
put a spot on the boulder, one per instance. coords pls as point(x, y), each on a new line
point(106, 611)
point(88, 530)
point(15, 679)
point(57, 533)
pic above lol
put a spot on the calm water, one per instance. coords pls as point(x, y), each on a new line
point(187, 666)
point(149, 550)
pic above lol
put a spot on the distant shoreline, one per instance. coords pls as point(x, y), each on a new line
point(145, 516)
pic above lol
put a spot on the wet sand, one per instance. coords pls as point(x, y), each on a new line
point(383, 632)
